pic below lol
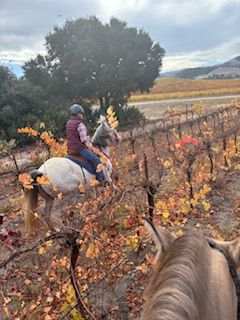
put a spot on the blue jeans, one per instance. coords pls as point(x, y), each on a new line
point(94, 159)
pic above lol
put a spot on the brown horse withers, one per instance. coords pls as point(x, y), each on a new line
point(194, 279)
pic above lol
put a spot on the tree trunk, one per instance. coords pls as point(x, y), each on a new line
point(107, 100)
point(101, 103)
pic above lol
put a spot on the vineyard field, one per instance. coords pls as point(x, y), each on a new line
point(175, 88)
point(181, 171)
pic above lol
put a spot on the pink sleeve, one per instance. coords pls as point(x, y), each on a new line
point(82, 130)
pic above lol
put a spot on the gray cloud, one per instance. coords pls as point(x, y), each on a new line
point(197, 30)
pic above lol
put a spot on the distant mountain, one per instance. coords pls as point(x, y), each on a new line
point(168, 74)
point(193, 73)
point(234, 63)
point(227, 70)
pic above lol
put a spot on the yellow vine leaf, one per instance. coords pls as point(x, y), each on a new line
point(133, 242)
point(103, 159)
point(185, 205)
point(215, 149)
point(206, 205)
point(151, 261)
point(237, 166)
point(49, 243)
point(6, 310)
point(24, 178)
point(81, 188)
point(71, 298)
point(28, 186)
point(29, 131)
point(94, 182)
point(142, 231)
point(43, 180)
point(92, 251)
point(27, 282)
point(143, 267)
point(206, 188)
point(194, 201)
point(112, 118)
point(60, 195)
point(179, 233)
point(165, 214)
point(42, 251)
point(161, 205)
point(167, 163)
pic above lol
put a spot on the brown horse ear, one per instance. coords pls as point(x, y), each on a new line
point(162, 239)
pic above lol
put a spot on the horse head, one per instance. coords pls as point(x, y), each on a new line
point(105, 134)
point(195, 277)
point(163, 241)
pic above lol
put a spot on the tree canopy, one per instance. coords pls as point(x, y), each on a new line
point(87, 59)
point(24, 104)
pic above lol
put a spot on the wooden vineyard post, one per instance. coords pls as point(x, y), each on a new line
point(75, 248)
point(214, 121)
point(235, 142)
point(224, 146)
point(199, 128)
point(191, 126)
point(151, 190)
point(189, 176)
point(186, 112)
point(168, 139)
point(179, 131)
point(208, 149)
point(132, 142)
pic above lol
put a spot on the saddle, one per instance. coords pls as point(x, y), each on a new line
point(81, 161)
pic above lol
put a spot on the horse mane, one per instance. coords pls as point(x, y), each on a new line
point(179, 288)
point(100, 136)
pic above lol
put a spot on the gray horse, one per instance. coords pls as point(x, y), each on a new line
point(66, 176)
point(193, 279)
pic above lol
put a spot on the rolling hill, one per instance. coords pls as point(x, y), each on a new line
point(227, 70)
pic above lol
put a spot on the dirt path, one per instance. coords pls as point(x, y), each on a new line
point(154, 109)
point(224, 216)
point(226, 203)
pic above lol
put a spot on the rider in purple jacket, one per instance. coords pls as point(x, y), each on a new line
point(78, 139)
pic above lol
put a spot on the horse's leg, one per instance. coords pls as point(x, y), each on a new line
point(48, 206)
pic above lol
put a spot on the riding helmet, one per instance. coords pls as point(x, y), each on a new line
point(75, 109)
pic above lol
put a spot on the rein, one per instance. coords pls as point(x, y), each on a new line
point(96, 145)
point(232, 270)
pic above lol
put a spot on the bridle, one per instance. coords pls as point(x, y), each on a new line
point(232, 270)
point(101, 149)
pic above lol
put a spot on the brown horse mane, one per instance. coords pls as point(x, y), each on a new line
point(179, 287)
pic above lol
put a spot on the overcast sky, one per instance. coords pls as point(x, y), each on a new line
point(192, 32)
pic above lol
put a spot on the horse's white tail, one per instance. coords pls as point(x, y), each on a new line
point(30, 204)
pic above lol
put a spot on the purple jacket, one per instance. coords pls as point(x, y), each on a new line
point(74, 144)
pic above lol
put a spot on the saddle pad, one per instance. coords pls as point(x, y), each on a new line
point(83, 164)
